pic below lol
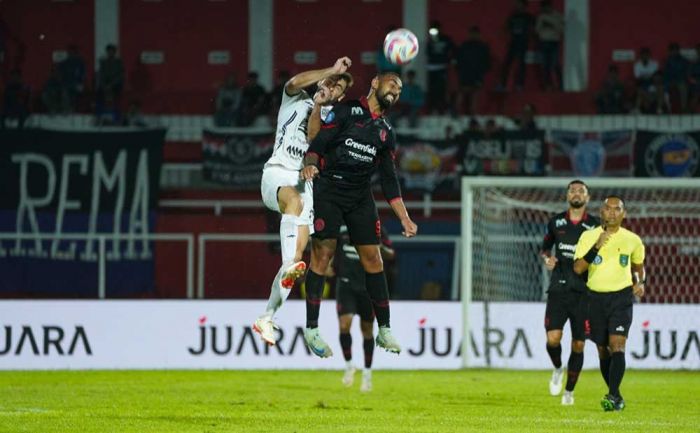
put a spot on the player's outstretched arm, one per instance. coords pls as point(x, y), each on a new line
point(307, 78)
point(410, 228)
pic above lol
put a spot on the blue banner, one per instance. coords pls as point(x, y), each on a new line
point(78, 183)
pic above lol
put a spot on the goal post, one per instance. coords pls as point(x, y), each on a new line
point(503, 222)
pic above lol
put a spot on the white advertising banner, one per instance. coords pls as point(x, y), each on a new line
point(217, 335)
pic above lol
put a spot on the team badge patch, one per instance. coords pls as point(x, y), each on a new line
point(624, 260)
point(382, 135)
point(329, 117)
point(598, 260)
point(319, 224)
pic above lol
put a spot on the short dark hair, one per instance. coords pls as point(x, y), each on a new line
point(576, 182)
point(383, 74)
point(617, 197)
point(347, 76)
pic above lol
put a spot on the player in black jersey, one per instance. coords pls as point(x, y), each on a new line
point(355, 139)
point(352, 298)
point(567, 295)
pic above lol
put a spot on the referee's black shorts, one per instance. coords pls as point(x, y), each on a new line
point(353, 299)
point(563, 305)
point(335, 206)
point(609, 313)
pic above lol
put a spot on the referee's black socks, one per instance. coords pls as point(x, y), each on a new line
point(379, 293)
point(555, 355)
point(605, 369)
point(314, 292)
point(617, 370)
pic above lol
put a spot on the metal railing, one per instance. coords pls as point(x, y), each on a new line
point(427, 205)
point(229, 237)
point(102, 240)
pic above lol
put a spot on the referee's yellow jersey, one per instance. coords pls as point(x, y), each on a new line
point(611, 271)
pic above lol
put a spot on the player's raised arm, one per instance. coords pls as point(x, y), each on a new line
point(307, 78)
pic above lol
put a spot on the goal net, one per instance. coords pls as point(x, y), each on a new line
point(504, 221)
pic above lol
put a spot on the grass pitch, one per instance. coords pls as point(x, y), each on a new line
point(316, 401)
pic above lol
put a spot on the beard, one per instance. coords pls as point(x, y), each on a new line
point(576, 204)
point(384, 102)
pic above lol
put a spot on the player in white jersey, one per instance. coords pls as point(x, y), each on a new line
point(282, 188)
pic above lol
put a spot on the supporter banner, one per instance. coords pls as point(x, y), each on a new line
point(667, 154)
point(509, 153)
point(426, 165)
point(235, 159)
point(92, 183)
point(218, 334)
point(591, 153)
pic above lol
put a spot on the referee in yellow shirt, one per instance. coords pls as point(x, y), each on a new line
point(614, 259)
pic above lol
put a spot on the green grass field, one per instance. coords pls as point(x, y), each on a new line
point(308, 401)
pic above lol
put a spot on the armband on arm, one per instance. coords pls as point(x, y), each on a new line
point(591, 255)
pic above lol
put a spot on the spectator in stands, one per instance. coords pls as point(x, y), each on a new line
point(473, 61)
point(253, 98)
point(411, 102)
point(73, 75)
point(658, 100)
point(491, 128)
point(525, 121)
point(55, 95)
point(611, 97)
point(110, 77)
point(383, 64)
point(644, 69)
point(519, 26)
point(228, 99)
point(474, 125)
point(275, 96)
point(694, 79)
point(439, 49)
point(549, 28)
point(133, 116)
point(15, 100)
point(676, 74)
point(107, 111)
point(227, 115)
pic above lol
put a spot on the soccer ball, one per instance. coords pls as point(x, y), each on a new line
point(400, 46)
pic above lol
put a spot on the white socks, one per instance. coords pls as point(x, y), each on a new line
point(289, 234)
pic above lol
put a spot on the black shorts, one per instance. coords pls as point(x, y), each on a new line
point(353, 299)
point(609, 313)
point(335, 206)
point(567, 305)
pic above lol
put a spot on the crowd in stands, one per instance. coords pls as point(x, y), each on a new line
point(654, 85)
point(657, 85)
point(67, 91)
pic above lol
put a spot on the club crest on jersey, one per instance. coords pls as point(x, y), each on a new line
point(329, 117)
point(624, 260)
point(382, 135)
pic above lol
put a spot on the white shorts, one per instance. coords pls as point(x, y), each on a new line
point(275, 177)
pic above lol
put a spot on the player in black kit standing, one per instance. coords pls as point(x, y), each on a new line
point(355, 139)
point(567, 295)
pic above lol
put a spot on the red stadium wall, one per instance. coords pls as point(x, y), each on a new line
point(32, 30)
point(185, 31)
point(332, 28)
point(232, 268)
point(631, 24)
